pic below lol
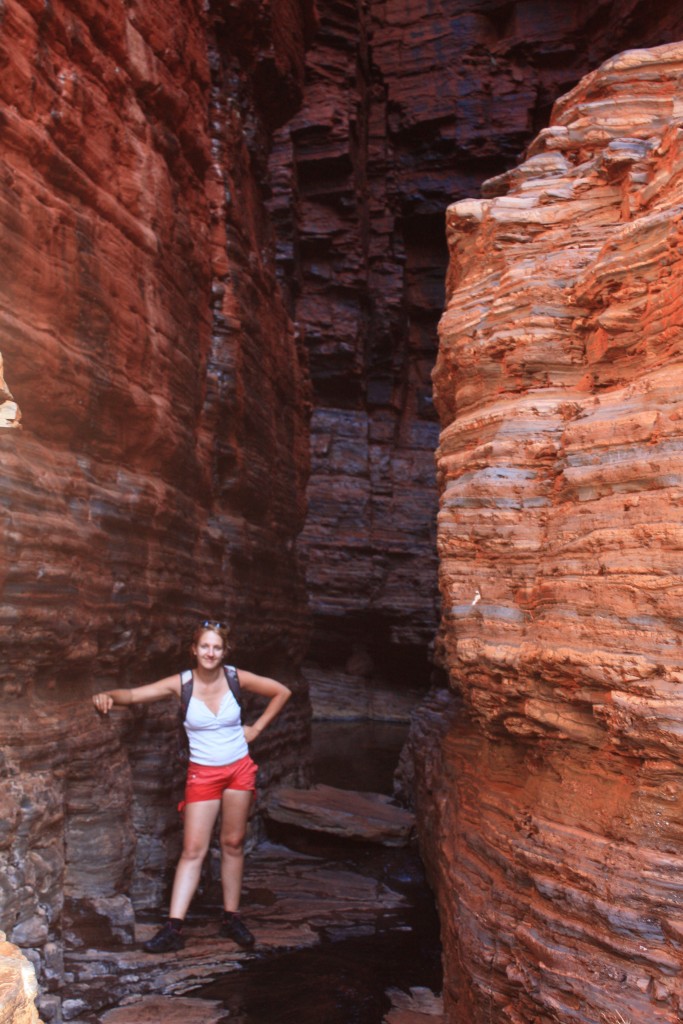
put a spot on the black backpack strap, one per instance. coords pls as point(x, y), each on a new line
point(186, 683)
point(233, 678)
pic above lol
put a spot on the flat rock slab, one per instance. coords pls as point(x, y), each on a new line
point(370, 817)
point(169, 1009)
point(419, 1006)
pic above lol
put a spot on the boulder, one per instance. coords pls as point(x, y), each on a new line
point(349, 814)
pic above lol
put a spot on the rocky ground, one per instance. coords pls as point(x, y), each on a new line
point(317, 894)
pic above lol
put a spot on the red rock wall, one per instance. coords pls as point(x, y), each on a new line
point(161, 470)
point(160, 474)
point(553, 826)
point(148, 383)
point(405, 108)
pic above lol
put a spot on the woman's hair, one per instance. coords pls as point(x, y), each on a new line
point(215, 627)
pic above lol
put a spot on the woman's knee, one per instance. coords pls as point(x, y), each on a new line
point(232, 842)
point(194, 852)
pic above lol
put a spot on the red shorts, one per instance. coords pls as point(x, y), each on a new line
point(209, 782)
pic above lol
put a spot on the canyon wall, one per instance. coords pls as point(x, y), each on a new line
point(369, 535)
point(157, 336)
point(406, 107)
point(551, 803)
point(159, 476)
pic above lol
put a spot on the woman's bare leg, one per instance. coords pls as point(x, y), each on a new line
point(199, 821)
point(235, 813)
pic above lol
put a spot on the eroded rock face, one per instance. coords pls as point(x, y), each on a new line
point(160, 475)
point(557, 847)
point(406, 107)
point(166, 440)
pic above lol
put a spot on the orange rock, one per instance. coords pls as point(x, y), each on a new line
point(18, 988)
point(559, 384)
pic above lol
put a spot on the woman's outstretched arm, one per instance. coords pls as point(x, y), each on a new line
point(107, 699)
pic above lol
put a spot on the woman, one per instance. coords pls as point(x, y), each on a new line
point(221, 775)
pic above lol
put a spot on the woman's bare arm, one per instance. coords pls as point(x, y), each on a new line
point(277, 693)
point(162, 688)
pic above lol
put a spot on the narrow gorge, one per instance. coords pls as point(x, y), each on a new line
point(239, 239)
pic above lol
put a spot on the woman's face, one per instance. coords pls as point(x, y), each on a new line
point(209, 649)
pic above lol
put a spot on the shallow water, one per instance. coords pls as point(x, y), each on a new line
point(357, 755)
point(341, 982)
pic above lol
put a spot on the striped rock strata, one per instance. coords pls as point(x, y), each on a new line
point(406, 107)
point(160, 474)
point(557, 849)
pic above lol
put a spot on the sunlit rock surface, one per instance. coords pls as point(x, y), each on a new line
point(10, 414)
point(160, 474)
point(18, 987)
point(553, 826)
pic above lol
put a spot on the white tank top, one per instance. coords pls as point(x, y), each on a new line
point(215, 739)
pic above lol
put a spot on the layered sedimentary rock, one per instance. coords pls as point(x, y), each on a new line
point(406, 107)
point(369, 539)
point(553, 829)
point(160, 474)
point(295, 901)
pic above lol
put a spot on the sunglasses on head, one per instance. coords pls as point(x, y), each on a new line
point(210, 624)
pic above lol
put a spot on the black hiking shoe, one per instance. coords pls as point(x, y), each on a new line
point(166, 940)
point(233, 927)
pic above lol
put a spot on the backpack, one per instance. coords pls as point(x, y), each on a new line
point(186, 685)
